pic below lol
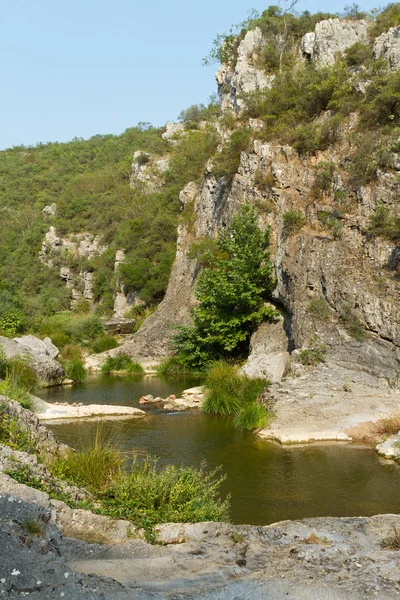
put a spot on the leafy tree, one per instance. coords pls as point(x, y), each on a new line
point(231, 293)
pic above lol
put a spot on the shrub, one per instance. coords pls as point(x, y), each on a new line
point(388, 425)
point(353, 325)
point(324, 172)
point(331, 220)
point(11, 390)
point(94, 468)
point(293, 221)
point(384, 223)
point(226, 163)
point(147, 496)
point(319, 309)
point(60, 340)
point(104, 343)
point(252, 416)
point(13, 434)
point(358, 54)
point(75, 370)
point(121, 362)
point(313, 355)
point(173, 367)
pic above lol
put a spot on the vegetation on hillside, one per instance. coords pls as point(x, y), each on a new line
point(89, 182)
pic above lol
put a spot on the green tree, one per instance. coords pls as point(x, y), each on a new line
point(231, 293)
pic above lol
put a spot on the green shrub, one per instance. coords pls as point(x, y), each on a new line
point(121, 362)
point(323, 178)
point(75, 370)
point(293, 221)
point(358, 54)
point(313, 355)
point(353, 325)
point(71, 352)
point(104, 343)
point(10, 389)
point(226, 163)
point(173, 367)
point(13, 434)
point(319, 309)
point(384, 223)
point(60, 340)
point(147, 496)
point(330, 220)
point(252, 416)
point(22, 374)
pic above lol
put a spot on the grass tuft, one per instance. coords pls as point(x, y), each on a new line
point(252, 416)
point(122, 362)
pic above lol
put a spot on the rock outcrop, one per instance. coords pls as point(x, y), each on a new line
point(330, 38)
point(387, 46)
point(38, 353)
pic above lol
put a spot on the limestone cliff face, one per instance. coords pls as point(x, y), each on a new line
point(330, 259)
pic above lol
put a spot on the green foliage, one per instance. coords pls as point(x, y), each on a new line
point(358, 54)
point(319, 309)
point(173, 367)
point(226, 163)
point(75, 370)
point(352, 323)
point(332, 221)
point(93, 468)
point(323, 178)
point(13, 434)
point(314, 354)
point(145, 495)
point(371, 154)
point(229, 393)
point(384, 223)
point(231, 293)
point(18, 379)
point(252, 416)
point(104, 343)
point(293, 221)
point(121, 362)
point(79, 329)
point(198, 112)
point(385, 19)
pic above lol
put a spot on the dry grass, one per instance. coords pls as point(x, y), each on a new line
point(388, 426)
point(313, 538)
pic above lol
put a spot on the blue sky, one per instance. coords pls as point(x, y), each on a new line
point(81, 67)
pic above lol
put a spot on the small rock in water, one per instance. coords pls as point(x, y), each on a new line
point(168, 407)
point(172, 397)
point(74, 404)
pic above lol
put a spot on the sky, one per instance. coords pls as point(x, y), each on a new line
point(76, 68)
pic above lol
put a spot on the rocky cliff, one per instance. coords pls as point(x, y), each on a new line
point(337, 284)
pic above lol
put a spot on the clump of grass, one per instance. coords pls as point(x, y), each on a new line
point(33, 527)
point(20, 379)
point(313, 355)
point(230, 393)
point(94, 468)
point(122, 362)
point(104, 343)
point(173, 367)
point(13, 434)
point(293, 221)
point(252, 416)
point(388, 426)
point(75, 370)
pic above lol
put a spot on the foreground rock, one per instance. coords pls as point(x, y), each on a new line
point(325, 558)
point(40, 354)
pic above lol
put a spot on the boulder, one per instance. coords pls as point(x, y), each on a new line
point(387, 46)
point(45, 347)
point(47, 369)
point(268, 352)
point(120, 325)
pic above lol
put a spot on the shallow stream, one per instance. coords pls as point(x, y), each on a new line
point(267, 482)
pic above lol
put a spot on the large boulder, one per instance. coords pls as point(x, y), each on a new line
point(47, 369)
point(45, 347)
point(387, 46)
point(331, 37)
point(269, 354)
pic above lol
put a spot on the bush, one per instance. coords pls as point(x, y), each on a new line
point(71, 352)
point(384, 223)
point(358, 54)
point(173, 367)
point(148, 496)
point(121, 362)
point(293, 221)
point(252, 416)
point(313, 355)
point(75, 370)
point(60, 340)
point(319, 309)
point(104, 343)
point(226, 163)
point(353, 325)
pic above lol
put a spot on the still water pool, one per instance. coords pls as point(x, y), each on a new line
point(267, 482)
